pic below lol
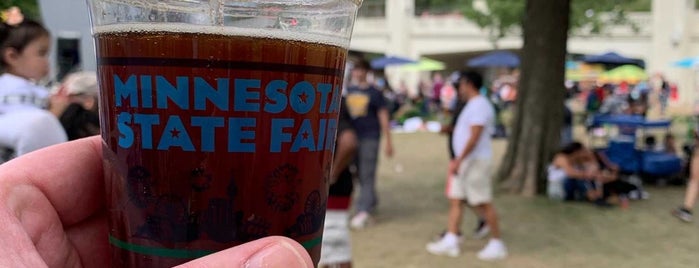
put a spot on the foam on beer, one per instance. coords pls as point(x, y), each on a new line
point(223, 30)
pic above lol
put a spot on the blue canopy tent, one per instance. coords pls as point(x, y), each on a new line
point(687, 62)
point(382, 62)
point(613, 58)
point(628, 124)
point(635, 121)
point(623, 151)
point(495, 59)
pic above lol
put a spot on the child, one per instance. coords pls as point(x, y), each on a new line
point(24, 124)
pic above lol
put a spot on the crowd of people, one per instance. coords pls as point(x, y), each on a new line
point(34, 117)
point(576, 173)
point(468, 178)
point(436, 99)
point(624, 97)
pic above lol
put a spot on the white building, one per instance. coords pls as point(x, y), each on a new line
point(666, 34)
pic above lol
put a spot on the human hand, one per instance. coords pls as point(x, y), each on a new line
point(389, 150)
point(53, 213)
point(454, 166)
point(59, 102)
point(614, 167)
point(446, 129)
point(590, 174)
point(274, 251)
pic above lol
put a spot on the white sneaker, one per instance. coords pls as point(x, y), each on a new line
point(495, 250)
point(482, 232)
point(444, 247)
point(639, 195)
point(360, 221)
point(441, 235)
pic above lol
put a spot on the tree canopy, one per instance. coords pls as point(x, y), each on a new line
point(503, 17)
point(30, 8)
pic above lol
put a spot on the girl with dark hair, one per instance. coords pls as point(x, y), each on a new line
point(25, 125)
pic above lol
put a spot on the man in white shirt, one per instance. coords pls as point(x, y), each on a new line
point(472, 171)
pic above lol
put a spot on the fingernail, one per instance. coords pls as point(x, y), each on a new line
point(280, 254)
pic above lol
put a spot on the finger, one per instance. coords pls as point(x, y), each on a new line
point(90, 240)
point(62, 91)
point(69, 175)
point(269, 252)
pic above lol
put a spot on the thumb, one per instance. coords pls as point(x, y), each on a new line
point(269, 252)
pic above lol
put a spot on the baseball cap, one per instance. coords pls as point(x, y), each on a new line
point(84, 82)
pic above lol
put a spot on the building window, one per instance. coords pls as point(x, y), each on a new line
point(373, 8)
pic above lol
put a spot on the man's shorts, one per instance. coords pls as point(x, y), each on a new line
point(472, 183)
point(336, 238)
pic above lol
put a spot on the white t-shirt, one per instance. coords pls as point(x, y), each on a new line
point(24, 125)
point(17, 93)
point(28, 130)
point(478, 112)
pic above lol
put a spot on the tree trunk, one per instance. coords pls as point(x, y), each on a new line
point(539, 109)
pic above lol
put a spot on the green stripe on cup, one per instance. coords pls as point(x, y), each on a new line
point(161, 252)
point(312, 243)
point(183, 253)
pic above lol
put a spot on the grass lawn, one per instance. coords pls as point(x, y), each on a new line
point(538, 232)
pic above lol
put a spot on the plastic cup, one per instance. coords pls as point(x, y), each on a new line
point(219, 120)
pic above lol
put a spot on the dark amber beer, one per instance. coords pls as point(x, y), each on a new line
point(214, 138)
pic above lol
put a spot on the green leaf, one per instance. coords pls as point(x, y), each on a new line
point(504, 16)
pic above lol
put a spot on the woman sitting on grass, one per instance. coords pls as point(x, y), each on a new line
point(579, 182)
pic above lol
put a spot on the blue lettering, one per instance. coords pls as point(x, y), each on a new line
point(277, 134)
point(331, 134)
point(178, 95)
point(243, 96)
point(321, 135)
point(236, 135)
point(302, 97)
point(126, 90)
point(335, 102)
point(204, 91)
point(126, 136)
point(304, 138)
point(175, 135)
point(146, 121)
point(146, 91)
point(208, 130)
point(324, 90)
point(276, 95)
